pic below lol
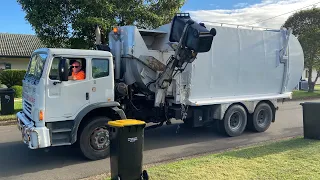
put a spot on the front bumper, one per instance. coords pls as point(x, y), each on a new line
point(34, 137)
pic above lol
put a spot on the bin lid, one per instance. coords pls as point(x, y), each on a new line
point(6, 90)
point(126, 122)
point(311, 102)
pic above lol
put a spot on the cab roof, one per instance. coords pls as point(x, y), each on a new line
point(77, 52)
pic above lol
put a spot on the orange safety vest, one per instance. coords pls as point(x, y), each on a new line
point(79, 76)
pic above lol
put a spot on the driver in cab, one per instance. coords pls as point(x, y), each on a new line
point(77, 73)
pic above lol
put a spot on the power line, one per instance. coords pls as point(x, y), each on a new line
point(283, 14)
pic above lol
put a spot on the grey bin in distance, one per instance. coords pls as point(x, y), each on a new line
point(311, 120)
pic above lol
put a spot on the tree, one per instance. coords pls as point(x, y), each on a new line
point(71, 23)
point(306, 26)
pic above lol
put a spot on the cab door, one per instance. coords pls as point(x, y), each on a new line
point(64, 100)
point(102, 81)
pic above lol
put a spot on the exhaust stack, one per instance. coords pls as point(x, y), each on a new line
point(98, 35)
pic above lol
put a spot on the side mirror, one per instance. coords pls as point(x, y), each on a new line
point(63, 70)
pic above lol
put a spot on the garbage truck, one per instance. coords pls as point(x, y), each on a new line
point(193, 72)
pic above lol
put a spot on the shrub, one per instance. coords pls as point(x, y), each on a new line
point(18, 91)
point(11, 77)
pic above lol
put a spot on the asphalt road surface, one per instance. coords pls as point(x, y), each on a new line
point(162, 144)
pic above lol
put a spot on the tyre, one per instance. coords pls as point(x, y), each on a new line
point(94, 139)
point(261, 118)
point(234, 121)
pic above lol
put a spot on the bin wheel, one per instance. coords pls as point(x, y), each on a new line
point(234, 121)
point(94, 139)
point(261, 118)
point(145, 175)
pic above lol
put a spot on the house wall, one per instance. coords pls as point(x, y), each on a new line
point(16, 63)
point(314, 75)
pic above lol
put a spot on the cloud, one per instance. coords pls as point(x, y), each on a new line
point(215, 5)
point(240, 5)
point(245, 14)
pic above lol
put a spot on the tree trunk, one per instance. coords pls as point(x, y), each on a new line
point(310, 83)
point(315, 81)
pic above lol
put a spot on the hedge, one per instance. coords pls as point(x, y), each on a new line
point(18, 91)
point(12, 77)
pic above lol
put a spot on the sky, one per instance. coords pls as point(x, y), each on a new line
point(242, 12)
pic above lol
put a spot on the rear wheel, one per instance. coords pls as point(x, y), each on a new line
point(261, 118)
point(234, 121)
point(94, 139)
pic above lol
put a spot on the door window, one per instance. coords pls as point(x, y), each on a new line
point(54, 73)
point(100, 68)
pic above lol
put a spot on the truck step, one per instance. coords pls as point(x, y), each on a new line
point(61, 130)
point(61, 135)
point(60, 140)
point(61, 144)
point(60, 125)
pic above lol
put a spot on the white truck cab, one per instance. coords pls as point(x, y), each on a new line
point(54, 109)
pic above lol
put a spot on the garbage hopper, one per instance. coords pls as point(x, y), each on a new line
point(311, 120)
point(126, 149)
point(7, 101)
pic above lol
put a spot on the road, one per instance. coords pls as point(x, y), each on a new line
point(162, 144)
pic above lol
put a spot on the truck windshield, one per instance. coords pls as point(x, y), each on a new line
point(36, 65)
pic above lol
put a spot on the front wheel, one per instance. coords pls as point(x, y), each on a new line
point(94, 139)
point(234, 121)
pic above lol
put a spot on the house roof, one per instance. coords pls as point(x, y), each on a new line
point(18, 45)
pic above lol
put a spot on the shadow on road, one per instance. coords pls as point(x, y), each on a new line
point(17, 159)
point(168, 136)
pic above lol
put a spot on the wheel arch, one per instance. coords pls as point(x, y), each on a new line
point(109, 109)
point(249, 107)
point(273, 106)
point(221, 110)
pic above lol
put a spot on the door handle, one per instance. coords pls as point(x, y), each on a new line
point(87, 96)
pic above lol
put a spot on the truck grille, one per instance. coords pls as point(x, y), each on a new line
point(27, 108)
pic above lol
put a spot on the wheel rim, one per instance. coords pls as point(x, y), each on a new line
point(235, 121)
point(262, 118)
point(99, 139)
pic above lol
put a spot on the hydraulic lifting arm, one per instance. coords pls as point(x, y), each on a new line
point(192, 38)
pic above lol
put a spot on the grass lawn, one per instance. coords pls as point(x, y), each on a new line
point(17, 107)
point(305, 94)
point(296, 158)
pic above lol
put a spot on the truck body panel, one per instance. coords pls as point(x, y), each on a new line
point(242, 65)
